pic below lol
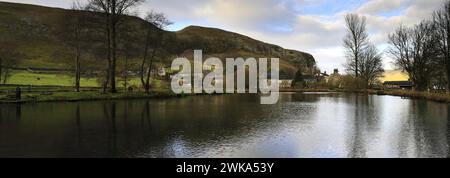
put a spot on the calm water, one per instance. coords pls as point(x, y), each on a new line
point(301, 125)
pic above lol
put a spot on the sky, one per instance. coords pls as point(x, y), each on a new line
point(313, 26)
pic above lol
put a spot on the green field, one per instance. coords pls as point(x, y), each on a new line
point(38, 79)
point(28, 78)
point(59, 87)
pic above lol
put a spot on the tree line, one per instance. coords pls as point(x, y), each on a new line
point(105, 30)
point(423, 50)
point(118, 38)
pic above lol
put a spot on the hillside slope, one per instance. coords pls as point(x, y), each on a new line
point(35, 32)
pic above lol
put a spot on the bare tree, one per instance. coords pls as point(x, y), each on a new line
point(73, 34)
point(414, 51)
point(370, 66)
point(77, 31)
point(442, 21)
point(81, 34)
point(9, 57)
point(160, 21)
point(113, 10)
point(128, 47)
point(355, 41)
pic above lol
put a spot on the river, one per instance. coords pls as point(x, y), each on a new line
point(308, 125)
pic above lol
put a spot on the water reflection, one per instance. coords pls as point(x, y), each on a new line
point(301, 125)
point(78, 124)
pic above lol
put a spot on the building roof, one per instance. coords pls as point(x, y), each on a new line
point(281, 76)
point(324, 74)
point(399, 83)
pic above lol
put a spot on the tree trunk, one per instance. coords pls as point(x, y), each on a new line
point(113, 47)
point(108, 52)
point(126, 73)
point(420, 84)
point(447, 50)
point(147, 83)
point(356, 65)
point(1, 67)
point(77, 59)
point(113, 63)
point(447, 72)
point(77, 69)
point(144, 60)
point(447, 64)
point(6, 75)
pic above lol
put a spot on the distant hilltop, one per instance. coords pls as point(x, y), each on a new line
point(35, 30)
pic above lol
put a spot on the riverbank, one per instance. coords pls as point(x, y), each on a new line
point(438, 97)
point(86, 96)
point(64, 96)
point(307, 90)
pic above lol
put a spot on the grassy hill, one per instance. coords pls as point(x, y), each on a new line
point(35, 32)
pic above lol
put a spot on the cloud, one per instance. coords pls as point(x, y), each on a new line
point(261, 15)
point(381, 6)
point(320, 31)
point(50, 3)
point(176, 9)
point(418, 10)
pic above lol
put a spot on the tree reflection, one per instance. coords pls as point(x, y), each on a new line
point(145, 115)
point(78, 123)
point(357, 148)
point(1, 115)
point(18, 111)
point(110, 116)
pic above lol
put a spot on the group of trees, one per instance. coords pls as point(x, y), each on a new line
point(115, 39)
point(364, 60)
point(155, 41)
point(112, 11)
point(423, 50)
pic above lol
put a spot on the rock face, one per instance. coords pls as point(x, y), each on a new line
point(219, 41)
point(36, 31)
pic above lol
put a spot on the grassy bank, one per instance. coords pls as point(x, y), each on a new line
point(61, 95)
point(439, 97)
point(86, 96)
point(306, 90)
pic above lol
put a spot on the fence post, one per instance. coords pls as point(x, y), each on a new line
point(18, 93)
